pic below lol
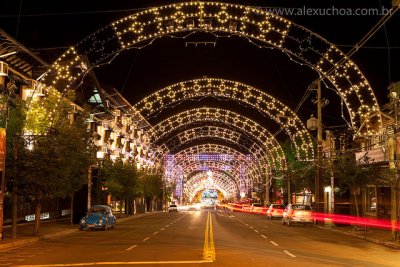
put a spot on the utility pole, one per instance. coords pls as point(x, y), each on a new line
point(318, 178)
point(394, 94)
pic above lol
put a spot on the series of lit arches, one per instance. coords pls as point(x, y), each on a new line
point(221, 88)
point(260, 27)
point(223, 182)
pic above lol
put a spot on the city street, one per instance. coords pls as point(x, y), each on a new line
point(233, 239)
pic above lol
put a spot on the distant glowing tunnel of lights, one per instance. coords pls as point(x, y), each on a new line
point(221, 88)
point(222, 182)
point(241, 180)
point(235, 167)
point(240, 174)
point(249, 161)
point(261, 27)
point(230, 136)
point(227, 118)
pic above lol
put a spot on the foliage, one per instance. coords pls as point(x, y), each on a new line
point(120, 178)
point(151, 185)
point(43, 113)
point(301, 174)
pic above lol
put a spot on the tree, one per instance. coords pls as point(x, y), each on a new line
point(62, 150)
point(15, 142)
point(352, 175)
point(120, 179)
point(151, 186)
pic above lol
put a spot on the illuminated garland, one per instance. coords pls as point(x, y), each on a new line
point(227, 118)
point(240, 173)
point(222, 182)
point(220, 88)
point(175, 169)
point(250, 22)
point(218, 133)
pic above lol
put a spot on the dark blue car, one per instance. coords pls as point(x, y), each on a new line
point(98, 217)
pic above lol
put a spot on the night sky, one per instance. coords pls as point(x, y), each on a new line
point(49, 27)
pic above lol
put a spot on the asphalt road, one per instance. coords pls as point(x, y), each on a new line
point(206, 238)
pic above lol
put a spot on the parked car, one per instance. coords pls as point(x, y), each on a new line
point(257, 208)
point(295, 213)
point(275, 211)
point(172, 208)
point(98, 217)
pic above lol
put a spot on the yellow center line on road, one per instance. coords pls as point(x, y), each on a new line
point(209, 247)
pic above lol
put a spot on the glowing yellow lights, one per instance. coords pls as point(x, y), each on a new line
point(220, 88)
point(251, 22)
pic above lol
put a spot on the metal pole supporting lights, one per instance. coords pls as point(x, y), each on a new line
point(394, 95)
point(316, 124)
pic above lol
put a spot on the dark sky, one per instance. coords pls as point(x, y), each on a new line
point(48, 27)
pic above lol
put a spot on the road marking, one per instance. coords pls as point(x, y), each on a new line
point(155, 233)
point(273, 243)
point(147, 238)
point(117, 263)
point(263, 236)
point(162, 229)
point(134, 246)
point(209, 247)
point(167, 226)
point(256, 231)
point(290, 254)
point(251, 227)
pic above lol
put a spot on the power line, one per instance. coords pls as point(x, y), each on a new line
point(73, 13)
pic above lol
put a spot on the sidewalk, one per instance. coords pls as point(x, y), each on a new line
point(48, 229)
point(376, 235)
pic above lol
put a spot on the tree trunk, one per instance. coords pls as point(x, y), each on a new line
point(14, 211)
point(356, 203)
point(38, 211)
point(72, 210)
point(15, 193)
point(120, 206)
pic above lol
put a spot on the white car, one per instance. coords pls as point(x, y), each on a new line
point(173, 207)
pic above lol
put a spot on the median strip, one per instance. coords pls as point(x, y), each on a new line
point(209, 247)
point(290, 254)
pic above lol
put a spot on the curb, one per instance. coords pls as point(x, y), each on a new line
point(387, 244)
point(31, 240)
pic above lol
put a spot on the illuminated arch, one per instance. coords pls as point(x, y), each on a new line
point(243, 178)
point(218, 133)
point(222, 181)
point(221, 88)
point(238, 173)
point(225, 117)
point(251, 22)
